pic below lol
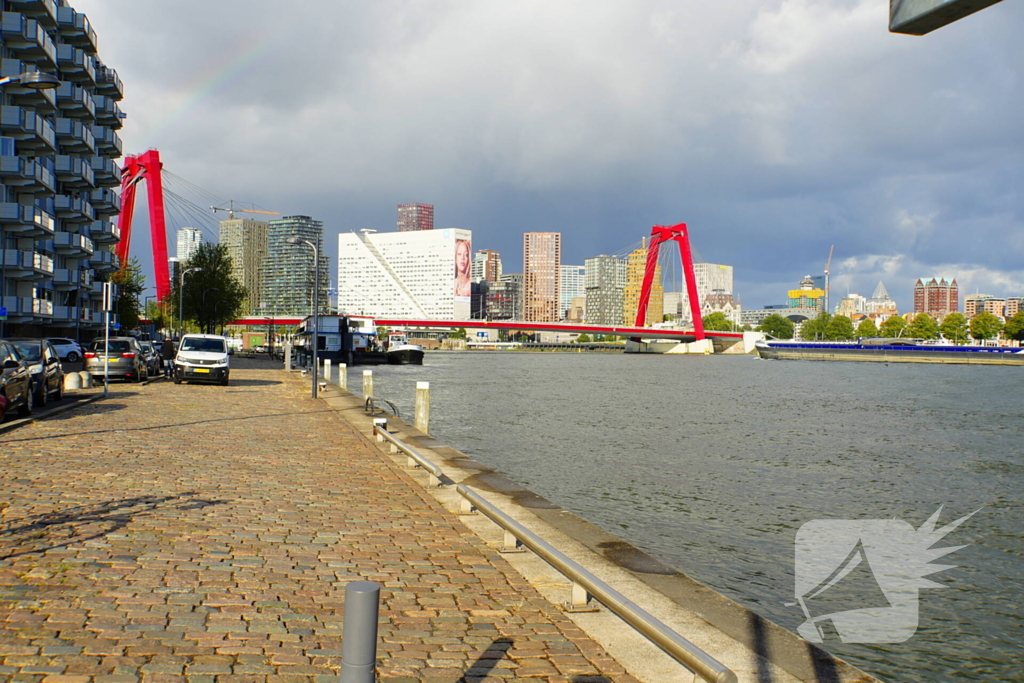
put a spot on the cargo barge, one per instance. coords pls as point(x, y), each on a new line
point(889, 351)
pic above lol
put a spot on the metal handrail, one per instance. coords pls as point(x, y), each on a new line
point(414, 456)
point(676, 646)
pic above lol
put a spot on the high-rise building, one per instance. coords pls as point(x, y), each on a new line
point(505, 298)
point(807, 295)
point(937, 298)
point(542, 260)
point(604, 283)
point(189, 240)
point(636, 265)
point(976, 303)
point(289, 269)
point(486, 266)
point(710, 278)
point(246, 243)
point(573, 285)
point(406, 274)
point(1014, 305)
point(57, 196)
point(413, 217)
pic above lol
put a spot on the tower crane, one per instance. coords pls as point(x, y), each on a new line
point(230, 208)
point(828, 264)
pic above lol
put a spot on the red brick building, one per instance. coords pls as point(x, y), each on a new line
point(937, 298)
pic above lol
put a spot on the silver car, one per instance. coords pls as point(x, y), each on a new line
point(125, 359)
point(153, 361)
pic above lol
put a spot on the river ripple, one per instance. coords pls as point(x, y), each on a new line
point(712, 464)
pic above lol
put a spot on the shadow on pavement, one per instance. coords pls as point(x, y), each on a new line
point(488, 659)
point(40, 533)
point(253, 382)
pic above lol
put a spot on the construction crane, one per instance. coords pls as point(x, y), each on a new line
point(230, 208)
point(828, 264)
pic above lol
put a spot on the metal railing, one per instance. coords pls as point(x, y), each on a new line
point(586, 585)
point(380, 430)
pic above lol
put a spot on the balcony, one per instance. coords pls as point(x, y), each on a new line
point(75, 137)
point(26, 221)
point(85, 315)
point(43, 101)
point(103, 262)
point(26, 265)
point(108, 143)
point(108, 83)
point(32, 131)
point(26, 174)
point(26, 39)
point(75, 65)
point(74, 172)
point(65, 278)
point(105, 202)
point(73, 244)
point(75, 102)
point(87, 278)
point(75, 29)
point(104, 232)
point(43, 11)
point(107, 111)
point(73, 209)
point(105, 171)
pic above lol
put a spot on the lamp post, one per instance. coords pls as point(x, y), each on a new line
point(181, 299)
point(316, 304)
point(205, 291)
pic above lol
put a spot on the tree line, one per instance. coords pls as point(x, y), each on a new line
point(955, 327)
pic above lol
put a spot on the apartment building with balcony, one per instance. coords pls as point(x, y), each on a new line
point(58, 171)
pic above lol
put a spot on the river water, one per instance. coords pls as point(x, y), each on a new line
point(712, 464)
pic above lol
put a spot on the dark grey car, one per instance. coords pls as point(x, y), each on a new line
point(125, 360)
point(44, 364)
point(15, 382)
point(152, 354)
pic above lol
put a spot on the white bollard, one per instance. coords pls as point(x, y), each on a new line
point(86, 379)
point(327, 369)
point(343, 376)
point(367, 384)
point(423, 407)
point(72, 381)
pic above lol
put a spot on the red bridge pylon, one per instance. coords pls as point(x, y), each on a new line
point(679, 234)
point(146, 167)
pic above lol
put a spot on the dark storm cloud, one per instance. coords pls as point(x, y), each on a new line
point(774, 128)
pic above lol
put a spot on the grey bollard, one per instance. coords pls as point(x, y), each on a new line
point(72, 381)
point(423, 407)
point(359, 638)
point(327, 369)
point(367, 384)
point(288, 356)
point(86, 379)
point(343, 376)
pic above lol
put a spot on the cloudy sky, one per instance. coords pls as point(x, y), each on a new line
point(774, 128)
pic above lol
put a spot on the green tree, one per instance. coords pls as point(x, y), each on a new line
point(211, 296)
point(717, 322)
point(130, 284)
point(667, 318)
point(839, 328)
point(986, 326)
point(583, 338)
point(1014, 328)
point(816, 327)
point(893, 326)
point(923, 326)
point(458, 334)
point(954, 328)
point(777, 326)
point(867, 328)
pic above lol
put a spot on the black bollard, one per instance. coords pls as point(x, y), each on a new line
point(359, 639)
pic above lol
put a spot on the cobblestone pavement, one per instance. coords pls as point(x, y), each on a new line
point(206, 534)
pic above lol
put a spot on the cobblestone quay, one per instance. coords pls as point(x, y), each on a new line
point(206, 534)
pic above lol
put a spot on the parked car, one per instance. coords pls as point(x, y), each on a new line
point(152, 356)
point(15, 382)
point(67, 349)
point(125, 360)
point(44, 365)
point(202, 358)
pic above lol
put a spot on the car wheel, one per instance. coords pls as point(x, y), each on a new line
point(224, 382)
point(29, 405)
point(41, 396)
point(59, 393)
point(72, 356)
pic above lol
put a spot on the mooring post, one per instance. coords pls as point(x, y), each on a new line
point(367, 384)
point(423, 407)
point(327, 369)
point(359, 638)
point(343, 376)
point(288, 356)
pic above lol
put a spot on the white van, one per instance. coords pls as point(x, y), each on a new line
point(202, 358)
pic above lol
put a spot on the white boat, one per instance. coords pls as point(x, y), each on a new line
point(401, 352)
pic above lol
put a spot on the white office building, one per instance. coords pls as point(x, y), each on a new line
point(413, 274)
point(711, 278)
point(189, 240)
point(573, 286)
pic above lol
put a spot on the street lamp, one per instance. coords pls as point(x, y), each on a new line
point(36, 80)
point(316, 304)
point(181, 299)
